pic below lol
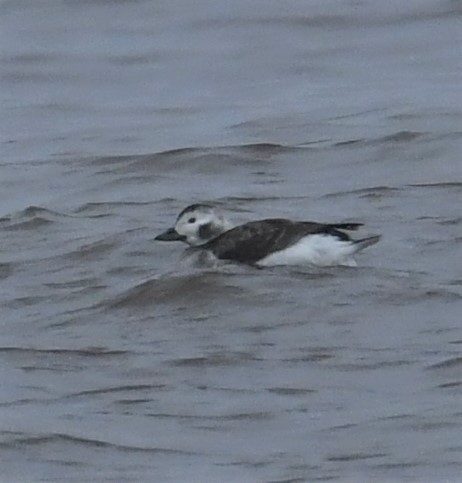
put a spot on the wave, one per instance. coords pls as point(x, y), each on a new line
point(88, 352)
point(16, 440)
point(195, 288)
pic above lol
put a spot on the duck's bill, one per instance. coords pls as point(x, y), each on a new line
point(170, 235)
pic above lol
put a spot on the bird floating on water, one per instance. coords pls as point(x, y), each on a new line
point(268, 242)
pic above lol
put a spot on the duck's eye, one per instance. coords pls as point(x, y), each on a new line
point(192, 220)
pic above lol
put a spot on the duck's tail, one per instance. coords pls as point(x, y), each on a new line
point(347, 226)
point(365, 242)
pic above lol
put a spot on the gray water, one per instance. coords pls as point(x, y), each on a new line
point(121, 363)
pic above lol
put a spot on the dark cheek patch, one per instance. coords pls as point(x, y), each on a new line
point(207, 231)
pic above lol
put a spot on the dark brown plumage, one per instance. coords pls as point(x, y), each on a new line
point(255, 240)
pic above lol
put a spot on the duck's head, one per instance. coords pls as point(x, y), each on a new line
point(196, 225)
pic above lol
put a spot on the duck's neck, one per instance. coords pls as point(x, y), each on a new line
point(212, 230)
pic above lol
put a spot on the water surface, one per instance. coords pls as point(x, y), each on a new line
point(121, 363)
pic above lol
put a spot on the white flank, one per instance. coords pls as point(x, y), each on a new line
point(320, 250)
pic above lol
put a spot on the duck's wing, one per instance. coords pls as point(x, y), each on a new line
point(255, 240)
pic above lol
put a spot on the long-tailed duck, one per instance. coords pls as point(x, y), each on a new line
point(268, 242)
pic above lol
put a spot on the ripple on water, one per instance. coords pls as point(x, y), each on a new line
point(6, 269)
point(196, 288)
point(51, 359)
point(450, 363)
point(16, 439)
point(31, 218)
point(92, 251)
point(215, 359)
